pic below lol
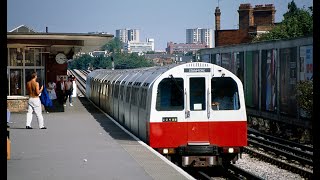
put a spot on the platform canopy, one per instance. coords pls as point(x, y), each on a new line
point(25, 37)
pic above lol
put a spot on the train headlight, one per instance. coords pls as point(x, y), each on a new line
point(165, 151)
point(230, 150)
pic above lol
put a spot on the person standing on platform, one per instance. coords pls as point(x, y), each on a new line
point(34, 103)
point(61, 90)
point(69, 90)
point(52, 90)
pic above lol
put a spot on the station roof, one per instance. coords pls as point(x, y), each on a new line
point(84, 42)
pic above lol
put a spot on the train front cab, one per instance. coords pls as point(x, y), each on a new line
point(197, 132)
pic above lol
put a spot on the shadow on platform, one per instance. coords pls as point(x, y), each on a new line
point(107, 124)
point(57, 107)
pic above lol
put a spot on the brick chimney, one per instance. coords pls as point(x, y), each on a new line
point(217, 14)
point(264, 14)
point(245, 16)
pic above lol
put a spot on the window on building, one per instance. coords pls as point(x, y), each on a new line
point(15, 57)
point(15, 82)
point(21, 63)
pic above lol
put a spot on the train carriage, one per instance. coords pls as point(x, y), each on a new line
point(174, 110)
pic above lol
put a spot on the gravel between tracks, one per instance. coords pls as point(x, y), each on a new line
point(265, 170)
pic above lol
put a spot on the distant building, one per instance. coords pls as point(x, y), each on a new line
point(139, 47)
point(163, 59)
point(182, 48)
point(252, 22)
point(22, 29)
point(98, 53)
point(126, 35)
point(200, 36)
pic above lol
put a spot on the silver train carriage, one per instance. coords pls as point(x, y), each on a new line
point(193, 113)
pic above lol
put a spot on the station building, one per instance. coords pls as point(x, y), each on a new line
point(46, 53)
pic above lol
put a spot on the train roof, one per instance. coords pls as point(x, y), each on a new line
point(147, 75)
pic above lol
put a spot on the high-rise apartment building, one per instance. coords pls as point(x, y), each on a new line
point(200, 36)
point(126, 35)
point(139, 47)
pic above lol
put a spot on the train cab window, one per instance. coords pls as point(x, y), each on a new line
point(224, 94)
point(197, 94)
point(170, 95)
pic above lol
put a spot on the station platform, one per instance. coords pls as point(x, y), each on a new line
point(82, 143)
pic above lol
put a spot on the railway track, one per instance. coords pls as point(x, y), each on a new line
point(80, 75)
point(288, 155)
point(230, 172)
point(291, 150)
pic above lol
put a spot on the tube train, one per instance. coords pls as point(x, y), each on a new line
point(174, 110)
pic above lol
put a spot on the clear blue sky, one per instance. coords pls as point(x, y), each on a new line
point(163, 20)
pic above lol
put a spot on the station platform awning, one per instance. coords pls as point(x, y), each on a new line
point(57, 42)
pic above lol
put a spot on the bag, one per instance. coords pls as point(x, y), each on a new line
point(45, 99)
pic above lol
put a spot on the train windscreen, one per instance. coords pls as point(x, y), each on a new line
point(170, 95)
point(224, 94)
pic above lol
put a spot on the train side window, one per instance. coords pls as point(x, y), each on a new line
point(107, 90)
point(121, 92)
point(116, 91)
point(128, 93)
point(110, 90)
point(103, 89)
point(170, 95)
point(134, 95)
point(143, 100)
point(224, 94)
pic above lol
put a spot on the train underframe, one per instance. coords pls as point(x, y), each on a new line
point(202, 156)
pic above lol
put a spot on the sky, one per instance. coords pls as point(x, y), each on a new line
point(163, 20)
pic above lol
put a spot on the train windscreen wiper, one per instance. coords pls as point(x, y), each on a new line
point(175, 82)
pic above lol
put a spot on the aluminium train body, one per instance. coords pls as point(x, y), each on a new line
point(172, 109)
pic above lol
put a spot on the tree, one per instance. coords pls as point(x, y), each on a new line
point(297, 22)
point(113, 46)
point(122, 60)
point(81, 62)
point(305, 96)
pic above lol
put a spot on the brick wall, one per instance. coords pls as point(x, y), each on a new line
point(262, 18)
point(17, 105)
point(229, 37)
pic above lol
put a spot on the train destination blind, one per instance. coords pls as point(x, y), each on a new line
point(195, 70)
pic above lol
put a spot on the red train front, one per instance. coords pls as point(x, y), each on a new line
point(199, 117)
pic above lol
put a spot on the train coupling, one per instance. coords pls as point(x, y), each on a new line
point(201, 161)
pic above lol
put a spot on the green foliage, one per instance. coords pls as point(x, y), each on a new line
point(121, 60)
point(113, 46)
point(81, 62)
point(305, 95)
point(297, 22)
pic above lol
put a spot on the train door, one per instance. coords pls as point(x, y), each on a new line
point(196, 94)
